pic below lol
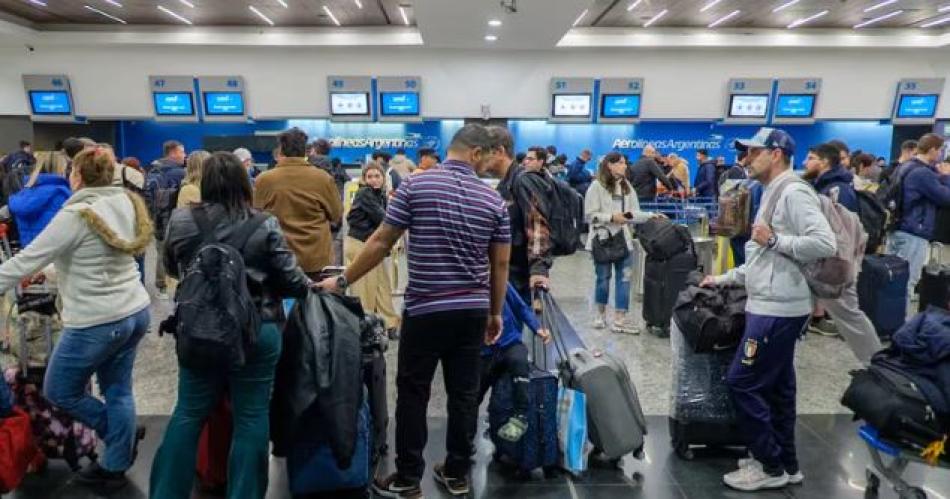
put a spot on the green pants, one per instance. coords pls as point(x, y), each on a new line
point(250, 387)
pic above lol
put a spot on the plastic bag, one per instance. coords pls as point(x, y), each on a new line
point(572, 430)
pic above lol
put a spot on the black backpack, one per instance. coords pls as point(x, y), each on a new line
point(891, 196)
point(216, 321)
point(873, 217)
point(161, 196)
point(662, 239)
point(561, 205)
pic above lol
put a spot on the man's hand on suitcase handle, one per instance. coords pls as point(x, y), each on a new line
point(708, 282)
point(545, 335)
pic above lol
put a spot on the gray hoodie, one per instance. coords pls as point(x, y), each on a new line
point(773, 280)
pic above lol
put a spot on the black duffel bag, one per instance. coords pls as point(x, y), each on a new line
point(662, 239)
point(891, 402)
point(610, 249)
point(711, 319)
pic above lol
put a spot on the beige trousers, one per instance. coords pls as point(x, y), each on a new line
point(375, 289)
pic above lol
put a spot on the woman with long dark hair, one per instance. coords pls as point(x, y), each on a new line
point(609, 207)
point(273, 273)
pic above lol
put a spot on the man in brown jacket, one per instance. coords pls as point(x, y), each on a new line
point(303, 198)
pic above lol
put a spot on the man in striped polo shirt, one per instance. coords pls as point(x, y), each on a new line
point(459, 245)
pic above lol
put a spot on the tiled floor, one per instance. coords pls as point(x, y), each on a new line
point(832, 458)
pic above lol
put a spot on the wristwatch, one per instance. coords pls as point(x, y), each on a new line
point(773, 240)
point(342, 283)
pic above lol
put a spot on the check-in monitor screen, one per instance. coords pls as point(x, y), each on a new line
point(917, 106)
point(571, 106)
point(349, 103)
point(173, 104)
point(795, 106)
point(620, 106)
point(224, 103)
point(50, 102)
point(399, 103)
point(748, 106)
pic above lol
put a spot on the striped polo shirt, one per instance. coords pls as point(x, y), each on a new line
point(452, 217)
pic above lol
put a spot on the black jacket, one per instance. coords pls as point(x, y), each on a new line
point(520, 190)
point(643, 175)
point(367, 212)
point(335, 169)
point(272, 269)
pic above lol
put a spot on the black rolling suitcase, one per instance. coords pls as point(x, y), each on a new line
point(882, 289)
point(662, 282)
point(374, 343)
point(702, 413)
point(934, 285)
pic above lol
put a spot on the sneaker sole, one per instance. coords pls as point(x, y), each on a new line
point(393, 495)
point(776, 483)
point(441, 481)
point(796, 479)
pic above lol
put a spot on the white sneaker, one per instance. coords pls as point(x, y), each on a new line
point(795, 479)
point(753, 478)
point(600, 322)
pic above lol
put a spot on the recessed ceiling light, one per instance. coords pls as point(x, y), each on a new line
point(634, 5)
point(724, 19)
point(709, 5)
point(105, 14)
point(878, 19)
point(785, 5)
point(113, 3)
point(330, 13)
point(937, 22)
point(580, 17)
point(359, 4)
point(39, 3)
point(494, 23)
point(655, 18)
point(806, 20)
point(260, 15)
point(186, 3)
point(491, 38)
point(885, 3)
point(176, 16)
point(405, 17)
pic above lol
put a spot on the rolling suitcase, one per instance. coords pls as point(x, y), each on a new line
point(312, 469)
point(934, 285)
point(17, 449)
point(663, 280)
point(882, 289)
point(702, 413)
point(616, 423)
point(538, 446)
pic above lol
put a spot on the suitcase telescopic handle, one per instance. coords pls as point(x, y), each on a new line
point(559, 346)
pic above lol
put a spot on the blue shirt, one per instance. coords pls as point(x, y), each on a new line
point(453, 218)
point(516, 314)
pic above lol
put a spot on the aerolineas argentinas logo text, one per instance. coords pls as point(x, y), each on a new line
point(669, 144)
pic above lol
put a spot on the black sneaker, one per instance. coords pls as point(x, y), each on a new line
point(396, 487)
point(454, 486)
point(95, 477)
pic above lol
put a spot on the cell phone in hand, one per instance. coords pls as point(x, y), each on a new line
point(628, 215)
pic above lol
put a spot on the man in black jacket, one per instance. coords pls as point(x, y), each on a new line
point(644, 174)
point(531, 258)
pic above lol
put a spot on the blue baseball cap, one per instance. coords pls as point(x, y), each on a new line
point(768, 138)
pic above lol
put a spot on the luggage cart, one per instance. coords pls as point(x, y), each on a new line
point(695, 213)
point(899, 458)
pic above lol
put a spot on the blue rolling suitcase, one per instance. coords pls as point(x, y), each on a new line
point(882, 292)
point(538, 447)
point(311, 468)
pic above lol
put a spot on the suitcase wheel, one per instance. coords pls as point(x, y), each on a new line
point(684, 452)
point(873, 486)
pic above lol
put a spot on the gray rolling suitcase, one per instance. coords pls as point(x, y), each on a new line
point(616, 424)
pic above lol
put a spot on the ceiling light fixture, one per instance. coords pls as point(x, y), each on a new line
point(878, 19)
point(655, 18)
point(785, 5)
point(186, 3)
point(260, 15)
point(359, 4)
point(105, 14)
point(113, 3)
point(176, 16)
point(634, 5)
point(709, 5)
point(38, 3)
point(944, 8)
point(724, 19)
point(937, 22)
point(332, 17)
point(494, 23)
point(885, 3)
point(808, 19)
point(491, 38)
point(405, 17)
point(284, 4)
point(580, 17)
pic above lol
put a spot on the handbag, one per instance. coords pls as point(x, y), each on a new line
point(611, 249)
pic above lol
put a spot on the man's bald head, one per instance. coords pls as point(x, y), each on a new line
point(649, 151)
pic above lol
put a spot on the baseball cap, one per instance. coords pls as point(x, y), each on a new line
point(243, 154)
point(768, 138)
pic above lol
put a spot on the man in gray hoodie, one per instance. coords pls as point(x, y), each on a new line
point(762, 375)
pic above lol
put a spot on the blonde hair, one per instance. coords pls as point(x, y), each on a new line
point(47, 162)
point(372, 165)
point(194, 165)
point(95, 166)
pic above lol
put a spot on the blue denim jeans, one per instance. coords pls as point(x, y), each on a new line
point(108, 351)
point(623, 270)
point(912, 248)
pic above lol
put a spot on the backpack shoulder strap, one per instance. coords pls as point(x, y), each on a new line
point(243, 234)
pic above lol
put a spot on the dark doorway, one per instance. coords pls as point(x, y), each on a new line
point(907, 132)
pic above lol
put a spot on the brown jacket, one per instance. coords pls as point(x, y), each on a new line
point(305, 201)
